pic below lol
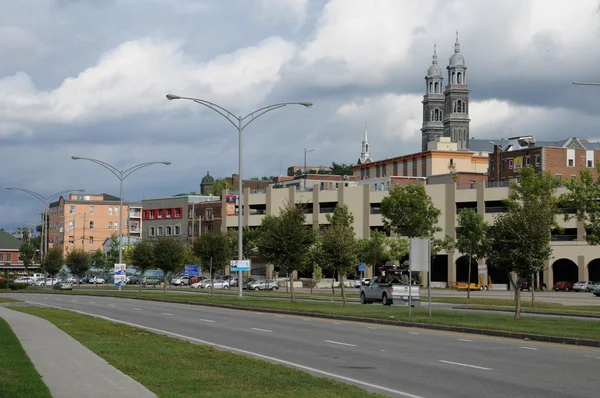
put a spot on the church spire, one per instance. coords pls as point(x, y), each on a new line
point(366, 136)
point(365, 156)
point(457, 44)
point(434, 62)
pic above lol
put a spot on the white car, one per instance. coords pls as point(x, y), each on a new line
point(583, 286)
point(25, 279)
point(358, 283)
point(97, 279)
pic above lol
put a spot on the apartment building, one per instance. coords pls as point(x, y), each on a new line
point(572, 258)
point(85, 221)
point(204, 217)
point(564, 159)
point(134, 229)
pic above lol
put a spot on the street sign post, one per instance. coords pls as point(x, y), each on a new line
point(419, 252)
point(239, 265)
point(120, 275)
point(192, 270)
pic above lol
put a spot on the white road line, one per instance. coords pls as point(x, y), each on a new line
point(280, 316)
point(306, 319)
point(464, 340)
point(382, 350)
point(414, 333)
point(111, 305)
point(337, 342)
point(336, 323)
point(530, 348)
point(465, 365)
point(597, 357)
point(262, 330)
point(166, 313)
point(91, 302)
point(137, 309)
point(588, 356)
point(350, 380)
point(371, 327)
point(206, 320)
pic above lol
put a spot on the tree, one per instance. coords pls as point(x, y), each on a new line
point(127, 248)
point(398, 247)
point(285, 240)
point(214, 251)
point(112, 255)
point(169, 254)
point(340, 247)
point(53, 262)
point(249, 241)
point(99, 260)
point(472, 239)
point(374, 250)
point(409, 211)
point(582, 195)
point(27, 251)
point(219, 186)
point(520, 239)
point(142, 258)
point(78, 262)
point(341, 169)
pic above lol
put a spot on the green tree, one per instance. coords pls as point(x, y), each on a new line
point(99, 260)
point(341, 169)
point(285, 240)
point(374, 250)
point(472, 240)
point(219, 186)
point(315, 260)
point(214, 251)
point(398, 247)
point(340, 247)
point(142, 258)
point(127, 248)
point(78, 262)
point(53, 262)
point(169, 254)
point(410, 212)
point(582, 195)
point(249, 241)
point(112, 255)
point(27, 251)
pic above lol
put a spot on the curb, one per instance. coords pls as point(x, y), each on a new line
point(563, 314)
point(459, 329)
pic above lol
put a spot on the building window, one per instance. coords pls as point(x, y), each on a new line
point(538, 160)
point(116, 225)
point(377, 171)
point(178, 213)
point(384, 170)
point(110, 211)
point(91, 210)
point(71, 209)
point(527, 161)
point(589, 158)
point(151, 231)
point(110, 225)
point(151, 214)
point(91, 225)
point(159, 213)
point(510, 164)
point(558, 177)
point(362, 173)
point(91, 240)
point(571, 162)
point(590, 163)
point(424, 162)
point(177, 230)
point(160, 231)
point(9, 257)
point(395, 168)
point(570, 157)
point(1, 256)
point(414, 163)
point(168, 230)
point(169, 212)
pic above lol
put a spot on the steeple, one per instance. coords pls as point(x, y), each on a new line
point(457, 44)
point(433, 103)
point(456, 110)
point(365, 156)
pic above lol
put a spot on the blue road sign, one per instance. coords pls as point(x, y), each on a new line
point(361, 267)
point(192, 270)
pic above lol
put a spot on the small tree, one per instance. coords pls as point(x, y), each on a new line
point(397, 247)
point(53, 262)
point(582, 195)
point(374, 250)
point(27, 251)
point(219, 186)
point(112, 255)
point(214, 250)
point(169, 254)
point(315, 260)
point(99, 260)
point(472, 240)
point(142, 258)
point(285, 240)
point(340, 247)
point(79, 263)
point(249, 241)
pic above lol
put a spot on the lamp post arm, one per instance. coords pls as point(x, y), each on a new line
point(233, 119)
point(49, 198)
point(107, 166)
point(32, 193)
point(133, 169)
point(249, 118)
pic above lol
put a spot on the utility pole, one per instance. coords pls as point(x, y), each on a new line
point(83, 235)
point(193, 221)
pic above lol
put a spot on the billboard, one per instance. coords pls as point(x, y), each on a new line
point(230, 201)
point(518, 165)
point(239, 265)
point(192, 270)
point(120, 274)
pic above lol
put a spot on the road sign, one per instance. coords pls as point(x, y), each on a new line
point(239, 265)
point(482, 269)
point(361, 267)
point(192, 270)
point(419, 254)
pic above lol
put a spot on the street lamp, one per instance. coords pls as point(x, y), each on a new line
point(240, 123)
point(121, 175)
point(46, 201)
point(586, 84)
point(305, 172)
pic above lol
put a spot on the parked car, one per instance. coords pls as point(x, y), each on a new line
point(204, 284)
point(25, 279)
point(597, 285)
point(526, 285)
point(597, 292)
point(63, 285)
point(247, 282)
point(96, 279)
point(264, 285)
point(563, 285)
point(221, 284)
point(196, 279)
point(583, 286)
point(358, 283)
point(181, 280)
point(132, 280)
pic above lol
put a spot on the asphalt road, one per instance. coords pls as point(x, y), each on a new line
point(391, 360)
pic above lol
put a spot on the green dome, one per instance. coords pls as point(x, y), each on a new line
point(208, 179)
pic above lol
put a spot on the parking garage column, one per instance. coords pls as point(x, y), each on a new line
point(315, 207)
point(548, 275)
point(580, 231)
point(582, 268)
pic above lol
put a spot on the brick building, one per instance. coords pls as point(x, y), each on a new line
point(10, 258)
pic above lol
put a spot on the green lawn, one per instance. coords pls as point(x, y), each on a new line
point(491, 321)
point(18, 377)
point(8, 300)
point(175, 368)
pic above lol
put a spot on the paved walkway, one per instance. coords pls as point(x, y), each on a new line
point(69, 369)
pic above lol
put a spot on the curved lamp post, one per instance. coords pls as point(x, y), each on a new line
point(240, 123)
point(46, 201)
point(121, 175)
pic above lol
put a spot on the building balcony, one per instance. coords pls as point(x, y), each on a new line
point(135, 214)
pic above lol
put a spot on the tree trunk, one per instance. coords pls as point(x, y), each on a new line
point(333, 282)
point(532, 291)
point(141, 280)
point(212, 286)
point(517, 287)
point(78, 277)
point(165, 283)
point(343, 289)
point(469, 280)
point(312, 283)
point(287, 280)
point(291, 282)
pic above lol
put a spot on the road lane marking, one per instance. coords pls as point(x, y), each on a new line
point(413, 333)
point(371, 327)
point(464, 340)
point(280, 316)
point(465, 365)
point(530, 348)
point(336, 323)
point(306, 319)
point(206, 320)
point(262, 330)
point(111, 305)
point(350, 380)
point(91, 302)
point(337, 342)
point(137, 309)
point(166, 313)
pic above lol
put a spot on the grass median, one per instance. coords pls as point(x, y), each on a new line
point(173, 368)
point(560, 327)
point(18, 377)
point(8, 300)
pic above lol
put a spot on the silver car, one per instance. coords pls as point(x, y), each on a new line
point(264, 285)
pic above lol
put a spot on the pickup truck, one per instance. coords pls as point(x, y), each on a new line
point(389, 292)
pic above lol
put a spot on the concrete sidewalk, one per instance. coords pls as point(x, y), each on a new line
point(69, 369)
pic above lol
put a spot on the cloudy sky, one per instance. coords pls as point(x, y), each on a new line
point(89, 78)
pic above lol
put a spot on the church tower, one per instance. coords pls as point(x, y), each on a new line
point(365, 156)
point(433, 104)
point(456, 107)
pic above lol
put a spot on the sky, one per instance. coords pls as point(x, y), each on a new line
point(88, 78)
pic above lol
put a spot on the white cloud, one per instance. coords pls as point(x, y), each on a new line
point(134, 78)
point(18, 46)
